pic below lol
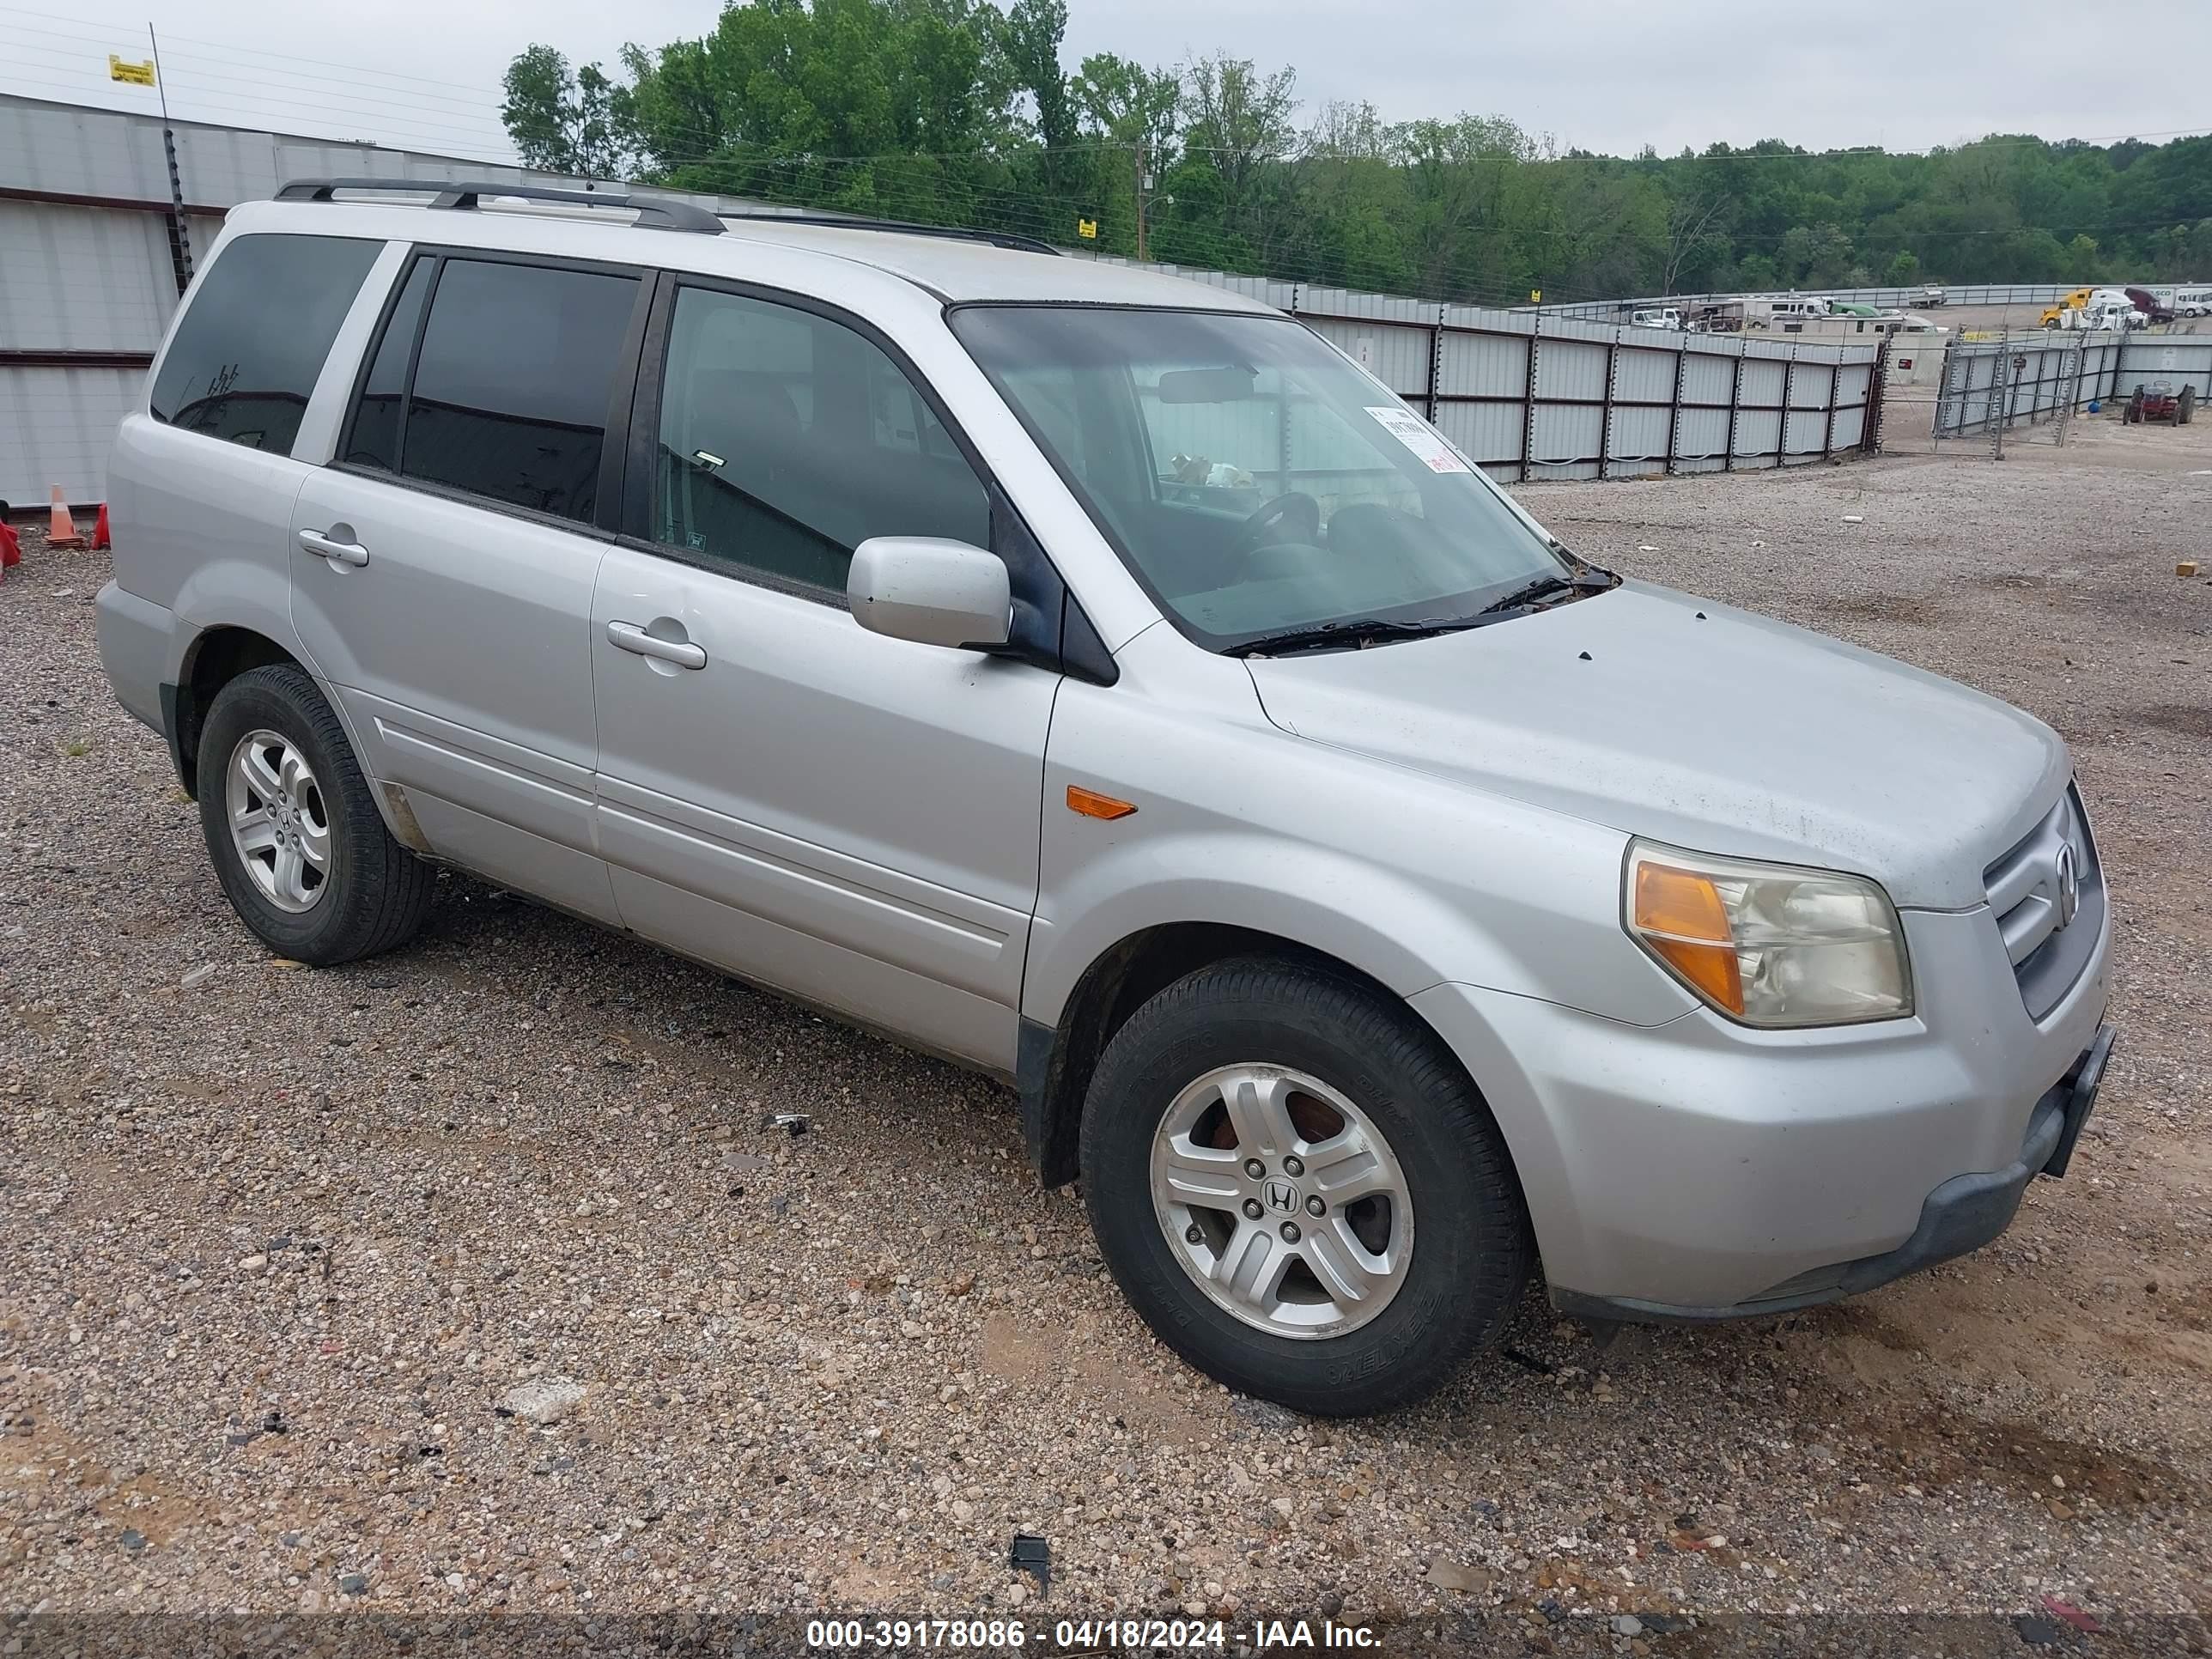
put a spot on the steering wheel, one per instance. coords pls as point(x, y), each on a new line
point(1271, 518)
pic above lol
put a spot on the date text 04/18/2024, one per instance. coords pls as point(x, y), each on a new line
point(1085, 1636)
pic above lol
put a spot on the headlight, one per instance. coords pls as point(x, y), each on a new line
point(1768, 944)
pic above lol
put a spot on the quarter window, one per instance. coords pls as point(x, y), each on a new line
point(251, 347)
point(785, 439)
point(509, 395)
point(374, 439)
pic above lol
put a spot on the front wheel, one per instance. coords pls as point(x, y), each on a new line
point(1299, 1190)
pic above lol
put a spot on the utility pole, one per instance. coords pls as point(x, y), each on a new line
point(1140, 201)
point(180, 233)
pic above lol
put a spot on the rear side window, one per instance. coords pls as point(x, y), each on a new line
point(246, 355)
point(508, 394)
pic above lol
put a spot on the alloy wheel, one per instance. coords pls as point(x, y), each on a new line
point(279, 821)
point(1282, 1200)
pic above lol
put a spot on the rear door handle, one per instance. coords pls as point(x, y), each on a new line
point(629, 636)
point(323, 547)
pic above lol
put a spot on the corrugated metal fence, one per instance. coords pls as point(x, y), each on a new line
point(2028, 381)
point(92, 274)
point(1909, 298)
point(1535, 396)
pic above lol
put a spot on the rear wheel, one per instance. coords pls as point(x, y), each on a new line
point(302, 854)
point(1299, 1191)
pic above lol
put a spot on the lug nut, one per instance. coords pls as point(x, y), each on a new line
point(1315, 1207)
point(1290, 1232)
point(1194, 1234)
point(1293, 1166)
point(1252, 1208)
point(1254, 1168)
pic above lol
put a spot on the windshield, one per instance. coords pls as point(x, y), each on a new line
point(1252, 478)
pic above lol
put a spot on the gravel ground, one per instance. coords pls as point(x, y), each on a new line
point(275, 1245)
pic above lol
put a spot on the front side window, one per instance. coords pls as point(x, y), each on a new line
point(251, 347)
point(509, 392)
point(785, 439)
point(1253, 479)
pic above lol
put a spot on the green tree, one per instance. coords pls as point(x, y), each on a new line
point(562, 120)
point(958, 111)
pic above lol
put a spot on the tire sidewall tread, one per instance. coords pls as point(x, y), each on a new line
point(379, 891)
point(1471, 1239)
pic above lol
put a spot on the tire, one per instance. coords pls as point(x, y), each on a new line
point(369, 894)
point(1463, 1269)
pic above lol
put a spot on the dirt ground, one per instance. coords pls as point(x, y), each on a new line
point(276, 1245)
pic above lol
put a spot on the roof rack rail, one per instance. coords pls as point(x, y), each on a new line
point(897, 227)
point(653, 212)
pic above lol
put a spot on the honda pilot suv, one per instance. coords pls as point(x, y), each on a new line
point(1101, 681)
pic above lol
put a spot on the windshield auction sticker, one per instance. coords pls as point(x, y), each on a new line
point(1419, 436)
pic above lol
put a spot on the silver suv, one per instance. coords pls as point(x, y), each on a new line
point(1101, 681)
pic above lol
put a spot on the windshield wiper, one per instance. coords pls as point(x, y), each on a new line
point(1597, 581)
point(1350, 635)
point(1358, 631)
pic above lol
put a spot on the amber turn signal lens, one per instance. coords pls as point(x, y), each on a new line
point(1679, 913)
point(1092, 805)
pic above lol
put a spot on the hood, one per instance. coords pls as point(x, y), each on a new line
point(1671, 717)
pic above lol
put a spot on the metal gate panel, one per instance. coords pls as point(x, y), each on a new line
point(1564, 439)
point(1489, 433)
point(1394, 354)
point(1571, 369)
point(2182, 359)
point(1482, 365)
point(1701, 438)
point(1707, 376)
point(1638, 443)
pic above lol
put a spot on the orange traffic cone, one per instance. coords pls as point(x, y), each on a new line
point(100, 544)
point(61, 528)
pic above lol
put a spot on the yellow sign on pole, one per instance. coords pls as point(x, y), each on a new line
point(1535, 296)
point(138, 75)
point(1087, 228)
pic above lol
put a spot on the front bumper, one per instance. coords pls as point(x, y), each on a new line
point(1960, 1216)
point(1699, 1169)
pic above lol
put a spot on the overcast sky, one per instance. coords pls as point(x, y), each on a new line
point(1606, 76)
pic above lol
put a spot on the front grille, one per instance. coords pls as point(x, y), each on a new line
point(2028, 895)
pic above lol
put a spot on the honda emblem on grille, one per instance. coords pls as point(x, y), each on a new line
point(2069, 884)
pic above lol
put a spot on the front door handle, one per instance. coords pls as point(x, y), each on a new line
point(630, 637)
point(337, 552)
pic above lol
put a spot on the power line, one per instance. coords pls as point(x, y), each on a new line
point(342, 103)
point(232, 48)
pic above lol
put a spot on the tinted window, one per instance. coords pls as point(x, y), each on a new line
point(252, 341)
point(511, 388)
point(373, 438)
point(787, 439)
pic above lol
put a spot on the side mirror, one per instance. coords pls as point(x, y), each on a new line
point(930, 591)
